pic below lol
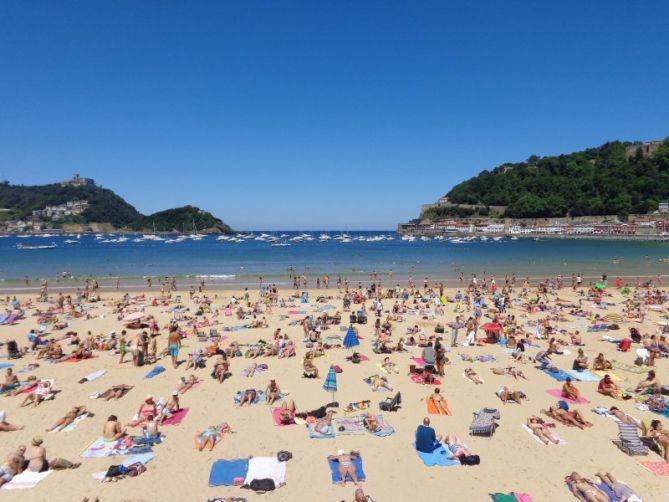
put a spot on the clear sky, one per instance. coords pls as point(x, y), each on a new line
point(318, 115)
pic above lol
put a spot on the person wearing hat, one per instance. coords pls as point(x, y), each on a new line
point(345, 465)
point(171, 406)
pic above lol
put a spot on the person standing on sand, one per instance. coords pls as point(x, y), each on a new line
point(174, 344)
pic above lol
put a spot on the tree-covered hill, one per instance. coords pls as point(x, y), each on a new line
point(599, 181)
point(104, 206)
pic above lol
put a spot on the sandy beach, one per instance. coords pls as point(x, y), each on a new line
point(511, 461)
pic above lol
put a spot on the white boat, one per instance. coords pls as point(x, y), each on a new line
point(70, 241)
point(280, 244)
point(29, 248)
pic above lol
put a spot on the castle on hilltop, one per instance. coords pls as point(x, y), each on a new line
point(78, 181)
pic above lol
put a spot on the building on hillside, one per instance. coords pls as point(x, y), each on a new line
point(78, 181)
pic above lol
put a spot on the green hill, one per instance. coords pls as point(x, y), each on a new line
point(104, 206)
point(613, 179)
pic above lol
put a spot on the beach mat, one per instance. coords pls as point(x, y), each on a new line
point(176, 417)
point(266, 468)
point(25, 480)
point(583, 376)
point(557, 393)
point(6, 365)
point(224, 472)
point(432, 409)
point(94, 376)
point(349, 426)
point(614, 377)
point(315, 435)
point(101, 449)
point(336, 476)
point(386, 428)
point(562, 442)
point(438, 457)
point(559, 375)
point(658, 468)
point(143, 459)
point(156, 370)
point(276, 416)
point(420, 381)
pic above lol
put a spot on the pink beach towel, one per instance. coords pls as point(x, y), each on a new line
point(558, 394)
point(418, 360)
point(419, 380)
point(522, 497)
point(657, 468)
point(176, 418)
point(276, 415)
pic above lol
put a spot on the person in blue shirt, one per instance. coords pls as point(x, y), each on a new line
point(426, 439)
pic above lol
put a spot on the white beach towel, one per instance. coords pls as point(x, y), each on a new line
point(73, 425)
point(95, 375)
point(266, 468)
point(562, 442)
point(25, 480)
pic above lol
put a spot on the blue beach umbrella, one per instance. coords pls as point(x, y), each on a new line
point(351, 339)
point(330, 383)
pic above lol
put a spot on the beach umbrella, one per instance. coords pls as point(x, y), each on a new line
point(135, 316)
point(330, 383)
point(491, 326)
point(600, 285)
point(351, 339)
point(625, 291)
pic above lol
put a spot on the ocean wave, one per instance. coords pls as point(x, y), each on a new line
point(216, 276)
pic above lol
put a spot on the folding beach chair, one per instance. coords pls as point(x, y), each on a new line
point(484, 422)
point(629, 440)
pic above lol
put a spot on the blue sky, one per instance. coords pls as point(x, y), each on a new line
point(318, 115)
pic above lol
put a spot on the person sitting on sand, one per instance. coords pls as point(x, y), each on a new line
point(308, 366)
point(622, 491)
point(169, 408)
point(563, 414)
point(389, 366)
point(585, 490)
point(324, 425)
point(287, 412)
point(69, 417)
point(345, 465)
point(37, 461)
point(570, 391)
point(650, 383)
point(249, 396)
point(186, 384)
point(427, 439)
point(657, 433)
point(146, 409)
point(221, 368)
point(370, 422)
point(601, 364)
point(624, 417)
point(10, 468)
point(151, 431)
point(380, 382)
point(361, 497)
point(440, 402)
point(506, 394)
point(471, 374)
point(540, 430)
point(212, 435)
point(251, 370)
point(112, 430)
point(6, 426)
point(41, 392)
point(608, 388)
point(272, 393)
point(11, 380)
point(581, 361)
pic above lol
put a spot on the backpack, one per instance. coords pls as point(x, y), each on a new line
point(355, 358)
point(471, 460)
point(262, 485)
point(284, 456)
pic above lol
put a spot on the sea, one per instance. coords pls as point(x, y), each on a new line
point(244, 259)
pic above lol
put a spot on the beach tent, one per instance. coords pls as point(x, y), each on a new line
point(351, 339)
point(330, 383)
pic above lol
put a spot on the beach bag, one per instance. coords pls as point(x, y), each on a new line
point(471, 460)
point(355, 358)
point(284, 456)
point(262, 485)
point(563, 405)
point(115, 470)
point(625, 344)
point(136, 469)
point(338, 369)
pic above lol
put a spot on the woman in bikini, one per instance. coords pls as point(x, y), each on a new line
point(657, 433)
point(539, 429)
point(473, 376)
point(346, 467)
point(69, 417)
point(440, 402)
point(585, 490)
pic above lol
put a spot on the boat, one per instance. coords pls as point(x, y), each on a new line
point(29, 248)
point(280, 244)
point(70, 241)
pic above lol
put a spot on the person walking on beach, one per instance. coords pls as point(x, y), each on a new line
point(174, 343)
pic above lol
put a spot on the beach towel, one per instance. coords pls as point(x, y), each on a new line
point(468, 379)
point(317, 435)
point(557, 393)
point(25, 480)
point(224, 472)
point(176, 418)
point(418, 360)
point(659, 468)
point(156, 370)
point(438, 457)
point(523, 497)
point(276, 416)
point(145, 458)
point(504, 497)
point(385, 430)
point(266, 468)
point(432, 408)
point(297, 312)
point(369, 381)
point(235, 328)
point(6, 365)
point(614, 377)
point(561, 442)
point(93, 376)
point(603, 487)
point(664, 412)
point(259, 369)
point(336, 476)
point(583, 376)
point(559, 375)
point(419, 380)
point(260, 396)
point(349, 426)
point(632, 368)
point(73, 425)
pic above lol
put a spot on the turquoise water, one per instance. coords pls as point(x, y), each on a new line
point(237, 263)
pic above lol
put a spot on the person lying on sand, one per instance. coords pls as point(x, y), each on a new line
point(506, 394)
point(510, 370)
point(473, 376)
point(540, 429)
point(620, 489)
point(457, 447)
point(185, 384)
point(69, 417)
point(116, 392)
point(440, 402)
point(624, 417)
point(324, 425)
point(345, 465)
point(567, 416)
point(584, 489)
point(212, 435)
point(389, 366)
point(41, 392)
point(380, 382)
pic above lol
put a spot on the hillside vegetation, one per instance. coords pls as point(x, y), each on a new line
point(597, 181)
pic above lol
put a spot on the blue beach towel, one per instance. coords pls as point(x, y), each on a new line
point(583, 376)
point(664, 412)
point(157, 370)
point(560, 375)
point(336, 477)
point(315, 435)
point(438, 457)
point(224, 472)
point(5, 365)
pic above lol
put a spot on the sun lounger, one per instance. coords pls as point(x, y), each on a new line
point(484, 422)
point(629, 440)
